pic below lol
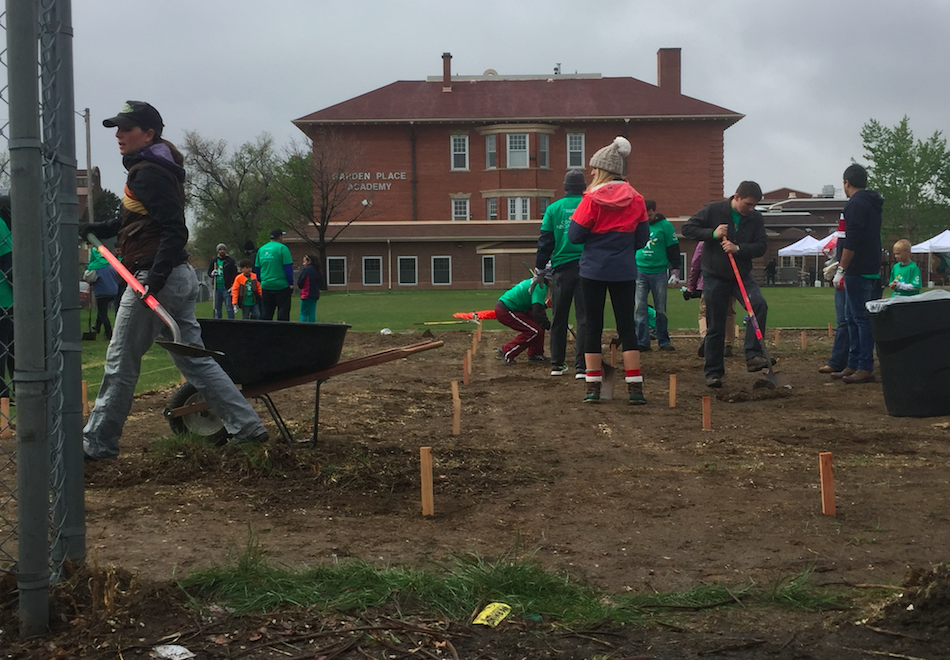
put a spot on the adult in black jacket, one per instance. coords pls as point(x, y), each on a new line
point(222, 270)
point(731, 226)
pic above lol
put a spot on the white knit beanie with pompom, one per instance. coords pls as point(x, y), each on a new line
point(611, 158)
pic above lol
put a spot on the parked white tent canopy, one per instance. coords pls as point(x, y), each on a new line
point(938, 243)
point(805, 247)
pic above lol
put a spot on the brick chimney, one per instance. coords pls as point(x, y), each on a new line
point(446, 72)
point(668, 69)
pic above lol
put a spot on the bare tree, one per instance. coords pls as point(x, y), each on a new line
point(316, 186)
point(231, 191)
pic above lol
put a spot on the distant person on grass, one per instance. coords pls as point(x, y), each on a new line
point(246, 291)
point(151, 237)
point(275, 269)
point(905, 274)
point(522, 308)
point(309, 282)
point(222, 272)
point(659, 255)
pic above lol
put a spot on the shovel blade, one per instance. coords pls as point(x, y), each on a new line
point(607, 373)
point(188, 350)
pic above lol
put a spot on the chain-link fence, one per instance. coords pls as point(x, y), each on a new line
point(42, 521)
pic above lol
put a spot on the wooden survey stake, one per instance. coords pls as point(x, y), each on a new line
point(474, 343)
point(425, 468)
point(85, 397)
point(466, 362)
point(456, 409)
point(827, 483)
point(831, 332)
point(5, 417)
point(672, 390)
point(777, 336)
point(707, 413)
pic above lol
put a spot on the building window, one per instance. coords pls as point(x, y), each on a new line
point(408, 271)
point(517, 150)
point(488, 269)
point(336, 271)
point(460, 209)
point(459, 152)
point(543, 203)
point(492, 208)
point(490, 153)
point(81, 182)
point(372, 271)
point(518, 208)
point(441, 271)
point(575, 150)
point(544, 150)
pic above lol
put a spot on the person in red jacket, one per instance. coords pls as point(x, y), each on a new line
point(611, 222)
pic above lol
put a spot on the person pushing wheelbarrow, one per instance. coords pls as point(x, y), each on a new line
point(733, 234)
point(161, 296)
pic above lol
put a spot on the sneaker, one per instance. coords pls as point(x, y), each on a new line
point(859, 376)
point(500, 353)
point(727, 351)
point(558, 369)
point(635, 390)
point(844, 373)
point(593, 393)
point(714, 381)
point(538, 358)
point(756, 363)
point(580, 374)
point(667, 347)
point(643, 348)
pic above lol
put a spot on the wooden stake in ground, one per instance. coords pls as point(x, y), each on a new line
point(456, 409)
point(707, 413)
point(803, 340)
point(831, 332)
point(5, 417)
point(425, 467)
point(466, 366)
point(672, 390)
point(85, 397)
point(474, 343)
point(827, 483)
point(777, 335)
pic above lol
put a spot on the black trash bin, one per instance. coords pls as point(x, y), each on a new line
point(912, 334)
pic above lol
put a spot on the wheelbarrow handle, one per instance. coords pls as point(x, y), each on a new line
point(150, 301)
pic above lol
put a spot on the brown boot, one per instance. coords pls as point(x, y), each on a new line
point(593, 392)
point(859, 376)
point(840, 375)
point(635, 390)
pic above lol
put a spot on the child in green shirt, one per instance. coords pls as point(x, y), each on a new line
point(905, 275)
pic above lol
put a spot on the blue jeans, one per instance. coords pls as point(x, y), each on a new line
point(223, 297)
point(839, 350)
point(654, 283)
point(859, 290)
point(136, 327)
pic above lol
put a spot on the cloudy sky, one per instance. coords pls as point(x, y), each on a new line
point(806, 73)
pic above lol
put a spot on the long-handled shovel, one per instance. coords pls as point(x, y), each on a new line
point(176, 345)
point(769, 374)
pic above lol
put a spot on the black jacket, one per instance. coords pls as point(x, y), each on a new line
point(749, 236)
point(229, 268)
point(862, 218)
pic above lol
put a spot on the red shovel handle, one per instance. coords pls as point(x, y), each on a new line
point(745, 296)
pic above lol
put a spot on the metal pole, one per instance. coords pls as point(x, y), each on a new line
point(69, 518)
point(89, 178)
point(30, 376)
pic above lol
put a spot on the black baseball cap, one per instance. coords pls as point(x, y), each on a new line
point(274, 233)
point(136, 113)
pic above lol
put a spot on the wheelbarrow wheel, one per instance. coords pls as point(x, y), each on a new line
point(205, 423)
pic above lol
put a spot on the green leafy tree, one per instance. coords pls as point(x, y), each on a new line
point(230, 191)
point(106, 205)
point(311, 190)
point(912, 176)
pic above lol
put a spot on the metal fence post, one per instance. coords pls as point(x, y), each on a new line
point(30, 376)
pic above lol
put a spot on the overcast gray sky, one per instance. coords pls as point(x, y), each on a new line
point(806, 73)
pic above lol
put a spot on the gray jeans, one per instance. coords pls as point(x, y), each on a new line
point(136, 328)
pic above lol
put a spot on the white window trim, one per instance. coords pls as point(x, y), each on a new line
point(452, 153)
point(541, 138)
point(494, 264)
point(494, 142)
point(527, 215)
point(527, 151)
point(415, 270)
point(468, 209)
point(568, 150)
point(363, 270)
point(488, 204)
point(345, 278)
point(432, 269)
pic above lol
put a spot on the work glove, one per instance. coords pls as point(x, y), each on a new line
point(674, 277)
point(214, 273)
point(829, 270)
point(536, 279)
point(838, 280)
point(89, 228)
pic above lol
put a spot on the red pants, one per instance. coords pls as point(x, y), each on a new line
point(531, 335)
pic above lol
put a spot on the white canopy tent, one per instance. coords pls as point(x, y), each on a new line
point(805, 247)
point(938, 243)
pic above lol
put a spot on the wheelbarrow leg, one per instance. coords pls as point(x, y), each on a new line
point(316, 414)
point(278, 420)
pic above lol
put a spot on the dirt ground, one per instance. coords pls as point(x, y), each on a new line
point(625, 498)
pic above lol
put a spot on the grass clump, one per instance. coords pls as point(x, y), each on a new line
point(467, 583)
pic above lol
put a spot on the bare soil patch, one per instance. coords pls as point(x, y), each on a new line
point(622, 497)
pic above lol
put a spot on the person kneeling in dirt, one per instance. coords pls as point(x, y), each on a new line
point(522, 308)
point(151, 238)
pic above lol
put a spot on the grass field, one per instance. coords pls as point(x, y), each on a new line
point(407, 311)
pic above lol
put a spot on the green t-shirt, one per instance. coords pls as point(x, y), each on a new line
point(248, 293)
point(736, 217)
point(651, 258)
point(219, 280)
point(271, 259)
point(6, 247)
point(517, 298)
point(557, 218)
point(909, 274)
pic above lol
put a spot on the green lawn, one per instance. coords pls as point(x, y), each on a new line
point(406, 311)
